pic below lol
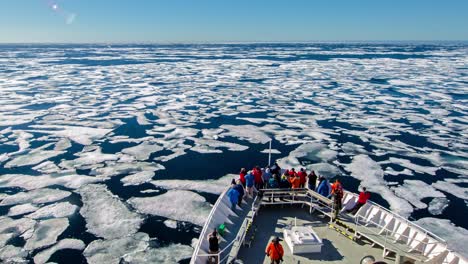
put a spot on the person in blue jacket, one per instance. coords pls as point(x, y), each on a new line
point(249, 183)
point(323, 187)
point(233, 197)
point(240, 189)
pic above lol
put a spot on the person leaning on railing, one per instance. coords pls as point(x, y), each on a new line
point(362, 200)
point(213, 241)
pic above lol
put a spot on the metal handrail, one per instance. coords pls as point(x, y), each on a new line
point(407, 221)
point(390, 234)
point(205, 227)
point(311, 194)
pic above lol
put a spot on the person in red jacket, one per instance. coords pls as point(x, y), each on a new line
point(257, 173)
point(242, 174)
point(362, 200)
point(292, 172)
point(275, 251)
point(303, 176)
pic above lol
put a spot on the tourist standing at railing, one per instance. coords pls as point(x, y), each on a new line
point(303, 176)
point(284, 182)
point(257, 173)
point(249, 183)
point(295, 181)
point(242, 174)
point(233, 195)
point(362, 200)
point(273, 182)
point(337, 195)
point(240, 189)
point(266, 177)
point(323, 187)
point(312, 180)
point(292, 172)
point(275, 169)
point(213, 241)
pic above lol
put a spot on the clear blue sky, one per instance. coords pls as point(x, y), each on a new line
point(231, 20)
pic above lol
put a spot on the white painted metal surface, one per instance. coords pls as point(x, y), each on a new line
point(302, 239)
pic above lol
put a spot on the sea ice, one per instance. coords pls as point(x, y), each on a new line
point(112, 251)
point(273, 151)
point(142, 151)
point(87, 158)
point(30, 182)
point(68, 243)
point(178, 205)
point(33, 157)
point(250, 133)
point(13, 255)
point(137, 178)
point(438, 205)
point(21, 209)
point(173, 253)
point(170, 223)
point(81, 135)
point(106, 215)
point(452, 188)
point(18, 227)
point(46, 233)
point(414, 191)
point(210, 186)
point(38, 196)
point(371, 175)
point(57, 210)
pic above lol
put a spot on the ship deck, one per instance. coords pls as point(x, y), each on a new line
point(336, 248)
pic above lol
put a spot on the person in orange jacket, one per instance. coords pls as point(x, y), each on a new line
point(295, 181)
point(275, 251)
point(337, 195)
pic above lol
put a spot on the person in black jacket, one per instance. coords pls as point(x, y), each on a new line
point(213, 240)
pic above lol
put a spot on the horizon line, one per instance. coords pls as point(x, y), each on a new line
point(231, 42)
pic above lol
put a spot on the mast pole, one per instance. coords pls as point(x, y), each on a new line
point(269, 155)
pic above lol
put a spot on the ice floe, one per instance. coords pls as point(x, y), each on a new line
point(414, 191)
point(170, 223)
point(81, 135)
point(210, 186)
point(178, 205)
point(22, 209)
point(250, 133)
point(143, 151)
point(452, 188)
point(137, 178)
point(56, 210)
point(46, 233)
point(29, 182)
point(68, 243)
point(112, 251)
point(173, 253)
point(33, 157)
point(11, 254)
point(438, 205)
point(371, 175)
point(106, 215)
point(37, 196)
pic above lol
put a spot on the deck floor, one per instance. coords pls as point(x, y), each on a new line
point(336, 247)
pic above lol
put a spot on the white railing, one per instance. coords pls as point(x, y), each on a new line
point(203, 233)
point(311, 198)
